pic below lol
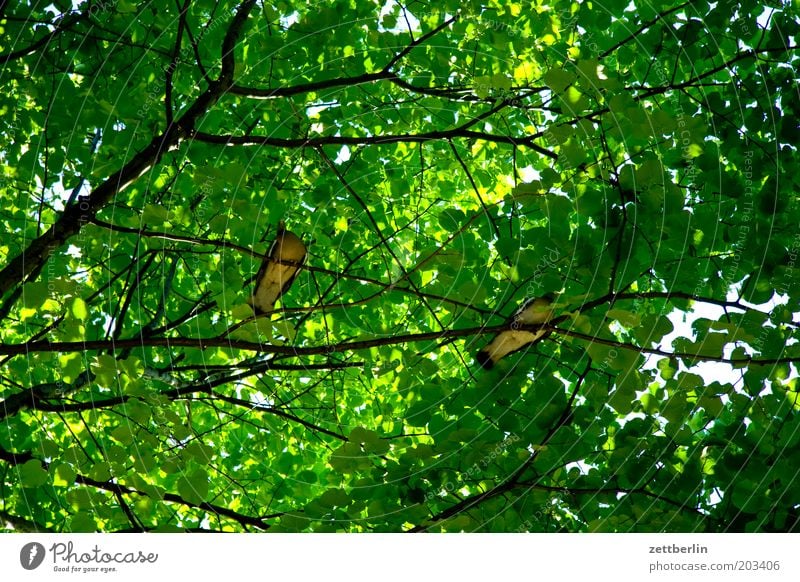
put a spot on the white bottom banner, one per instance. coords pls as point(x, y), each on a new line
point(390, 557)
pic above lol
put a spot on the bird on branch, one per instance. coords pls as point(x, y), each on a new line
point(535, 311)
point(278, 271)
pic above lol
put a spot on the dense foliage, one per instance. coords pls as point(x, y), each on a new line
point(442, 161)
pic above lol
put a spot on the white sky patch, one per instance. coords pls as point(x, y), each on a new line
point(528, 174)
point(74, 252)
point(290, 19)
point(343, 155)
point(60, 195)
point(713, 371)
point(314, 110)
point(580, 465)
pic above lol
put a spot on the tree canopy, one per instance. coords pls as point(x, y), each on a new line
point(442, 162)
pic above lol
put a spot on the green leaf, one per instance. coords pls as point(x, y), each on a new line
point(63, 474)
point(32, 474)
point(194, 487)
point(79, 310)
point(334, 498)
point(123, 434)
point(557, 80)
point(83, 522)
point(100, 472)
point(34, 295)
point(154, 215)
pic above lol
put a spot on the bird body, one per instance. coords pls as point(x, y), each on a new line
point(534, 311)
point(278, 270)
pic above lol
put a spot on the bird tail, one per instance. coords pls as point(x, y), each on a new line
point(484, 359)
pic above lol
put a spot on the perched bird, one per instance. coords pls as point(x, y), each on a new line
point(534, 311)
point(278, 270)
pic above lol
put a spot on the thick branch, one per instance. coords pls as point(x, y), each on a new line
point(262, 140)
point(347, 346)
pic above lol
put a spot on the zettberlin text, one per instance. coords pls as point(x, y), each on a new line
point(675, 549)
